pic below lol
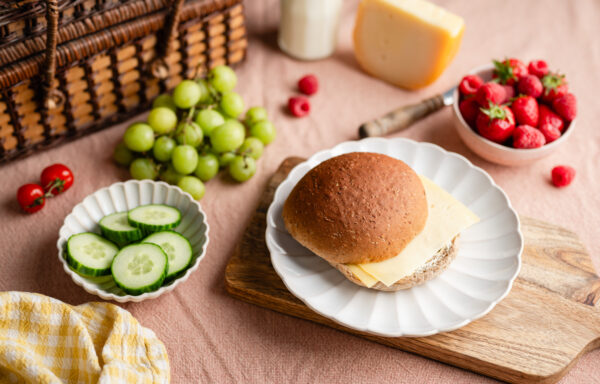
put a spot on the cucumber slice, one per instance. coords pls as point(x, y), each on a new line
point(116, 228)
point(90, 255)
point(140, 268)
point(177, 248)
point(154, 217)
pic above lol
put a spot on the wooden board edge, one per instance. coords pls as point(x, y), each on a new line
point(409, 344)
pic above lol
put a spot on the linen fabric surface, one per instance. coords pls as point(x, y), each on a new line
point(43, 340)
point(211, 337)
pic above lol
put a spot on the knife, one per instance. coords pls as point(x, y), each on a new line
point(401, 118)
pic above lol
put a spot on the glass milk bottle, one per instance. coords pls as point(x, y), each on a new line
point(308, 28)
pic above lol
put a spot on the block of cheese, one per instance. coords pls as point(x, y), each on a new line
point(408, 43)
point(447, 218)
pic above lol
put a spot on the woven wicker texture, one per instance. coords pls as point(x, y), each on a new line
point(23, 23)
point(105, 76)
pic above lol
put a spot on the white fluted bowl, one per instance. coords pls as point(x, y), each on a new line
point(124, 196)
point(486, 265)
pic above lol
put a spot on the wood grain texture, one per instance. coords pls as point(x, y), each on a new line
point(534, 335)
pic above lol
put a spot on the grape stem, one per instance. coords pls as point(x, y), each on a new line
point(245, 153)
point(190, 114)
point(214, 95)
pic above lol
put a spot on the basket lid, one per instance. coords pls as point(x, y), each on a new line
point(85, 28)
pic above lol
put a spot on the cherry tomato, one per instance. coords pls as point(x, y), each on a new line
point(31, 197)
point(56, 178)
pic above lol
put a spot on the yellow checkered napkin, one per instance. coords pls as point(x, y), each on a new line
point(43, 340)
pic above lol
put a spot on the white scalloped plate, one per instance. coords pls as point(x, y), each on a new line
point(122, 197)
point(486, 265)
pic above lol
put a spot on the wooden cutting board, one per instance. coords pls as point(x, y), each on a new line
point(549, 319)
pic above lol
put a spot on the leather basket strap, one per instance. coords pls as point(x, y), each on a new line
point(52, 97)
point(158, 66)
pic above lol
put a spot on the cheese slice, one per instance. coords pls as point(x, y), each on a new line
point(408, 43)
point(363, 276)
point(447, 218)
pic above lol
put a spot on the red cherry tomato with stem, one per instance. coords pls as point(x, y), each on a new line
point(56, 179)
point(31, 197)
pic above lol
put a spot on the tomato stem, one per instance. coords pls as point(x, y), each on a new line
point(36, 202)
point(57, 184)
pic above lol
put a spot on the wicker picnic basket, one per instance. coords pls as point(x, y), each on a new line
point(71, 67)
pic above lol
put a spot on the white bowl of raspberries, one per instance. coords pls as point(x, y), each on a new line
point(510, 113)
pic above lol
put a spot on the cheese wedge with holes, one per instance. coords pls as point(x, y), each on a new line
point(408, 43)
point(447, 218)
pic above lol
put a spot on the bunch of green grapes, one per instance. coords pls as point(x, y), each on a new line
point(194, 132)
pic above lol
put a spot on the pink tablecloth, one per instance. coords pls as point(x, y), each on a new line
point(211, 337)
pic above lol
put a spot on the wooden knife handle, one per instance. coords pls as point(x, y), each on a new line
point(400, 118)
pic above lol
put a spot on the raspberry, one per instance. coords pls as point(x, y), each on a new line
point(538, 68)
point(525, 137)
point(309, 85)
point(299, 106)
point(490, 92)
point(531, 85)
point(469, 85)
point(565, 106)
point(550, 132)
point(562, 175)
point(469, 110)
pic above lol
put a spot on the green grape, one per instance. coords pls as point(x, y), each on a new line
point(205, 97)
point(222, 78)
point(193, 186)
point(242, 168)
point(208, 167)
point(164, 100)
point(184, 159)
point(122, 155)
point(187, 94)
point(252, 147)
point(254, 115)
point(225, 158)
point(170, 175)
point(143, 168)
point(163, 148)
point(139, 137)
point(264, 131)
point(189, 133)
point(232, 104)
point(162, 120)
point(208, 120)
point(220, 111)
point(228, 136)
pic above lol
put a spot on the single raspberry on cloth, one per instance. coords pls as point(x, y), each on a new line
point(562, 175)
point(308, 85)
point(299, 106)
